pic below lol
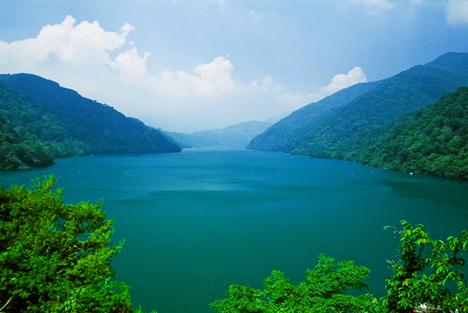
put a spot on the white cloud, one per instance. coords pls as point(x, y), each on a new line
point(65, 42)
point(205, 80)
point(457, 12)
point(341, 81)
point(76, 55)
point(131, 65)
point(105, 65)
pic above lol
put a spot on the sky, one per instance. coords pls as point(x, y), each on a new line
point(192, 65)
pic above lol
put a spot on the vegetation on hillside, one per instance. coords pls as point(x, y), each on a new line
point(29, 135)
point(432, 141)
point(285, 134)
point(61, 122)
point(394, 98)
point(348, 130)
point(428, 274)
point(56, 257)
point(17, 151)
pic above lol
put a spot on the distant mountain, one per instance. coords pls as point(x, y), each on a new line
point(63, 123)
point(433, 140)
point(234, 136)
point(189, 140)
point(327, 128)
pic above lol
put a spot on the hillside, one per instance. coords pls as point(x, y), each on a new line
point(284, 135)
point(233, 136)
point(30, 136)
point(432, 141)
point(63, 123)
point(356, 111)
point(19, 151)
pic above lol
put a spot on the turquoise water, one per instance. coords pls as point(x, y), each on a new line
point(197, 221)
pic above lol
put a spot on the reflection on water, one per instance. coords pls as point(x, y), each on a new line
point(432, 189)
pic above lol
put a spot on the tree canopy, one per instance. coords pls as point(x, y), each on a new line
point(433, 140)
point(56, 257)
point(428, 273)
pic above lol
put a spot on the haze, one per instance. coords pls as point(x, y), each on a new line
point(191, 65)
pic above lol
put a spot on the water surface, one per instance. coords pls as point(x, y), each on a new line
point(197, 221)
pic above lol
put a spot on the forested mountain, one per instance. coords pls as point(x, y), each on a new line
point(41, 120)
point(233, 136)
point(284, 135)
point(358, 110)
point(29, 135)
point(433, 140)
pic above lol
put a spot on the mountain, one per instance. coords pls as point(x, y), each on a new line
point(30, 136)
point(189, 140)
point(234, 136)
point(285, 134)
point(432, 141)
point(19, 151)
point(326, 128)
point(63, 123)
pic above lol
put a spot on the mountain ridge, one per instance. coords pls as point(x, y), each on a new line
point(388, 100)
point(64, 123)
point(232, 136)
point(433, 140)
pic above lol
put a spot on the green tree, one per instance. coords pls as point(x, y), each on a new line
point(326, 288)
point(56, 257)
point(428, 272)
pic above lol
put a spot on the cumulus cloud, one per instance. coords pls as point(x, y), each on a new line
point(64, 42)
point(106, 66)
point(457, 12)
point(205, 80)
point(341, 81)
point(131, 65)
point(74, 53)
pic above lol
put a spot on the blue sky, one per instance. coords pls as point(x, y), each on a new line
point(190, 65)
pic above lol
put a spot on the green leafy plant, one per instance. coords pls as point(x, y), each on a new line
point(326, 288)
point(428, 272)
point(56, 257)
point(428, 275)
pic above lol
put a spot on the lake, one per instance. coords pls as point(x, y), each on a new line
point(197, 221)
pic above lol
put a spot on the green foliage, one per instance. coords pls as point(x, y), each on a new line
point(289, 132)
point(357, 123)
point(431, 141)
point(29, 136)
point(326, 288)
point(102, 128)
point(20, 152)
point(320, 129)
point(56, 257)
point(428, 272)
point(35, 112)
